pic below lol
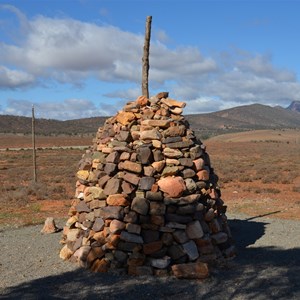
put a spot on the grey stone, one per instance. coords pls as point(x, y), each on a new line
point(140, 205)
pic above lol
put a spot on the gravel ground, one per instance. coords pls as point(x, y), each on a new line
point(267, 267)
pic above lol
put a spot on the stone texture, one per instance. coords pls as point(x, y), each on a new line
point(146, 197)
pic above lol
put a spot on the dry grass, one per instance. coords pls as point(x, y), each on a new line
point(255, 178)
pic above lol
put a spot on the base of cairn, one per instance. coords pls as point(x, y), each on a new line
point(147, 199)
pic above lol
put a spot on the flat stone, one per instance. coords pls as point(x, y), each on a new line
point(196, 270)
point(153, 134)
point(94, 192)
point(175, 131)
point(98, 224)
point(156, 123)
point(179, 145)
point(124, 156)
point(194, 230)
point(125, 117)
point(117, 200)
point(172, 153)
point(112, 212)
point(82, 207)
point(188, 173)
point(172, 103)
point(158, 165)
point(116, 226)
point(171, 139)
point(83, 174)
point(131, 178)
point(113, 186)
point(170, 171)
point(131, 238)
point(130, 166)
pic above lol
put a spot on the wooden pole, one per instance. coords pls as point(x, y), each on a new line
point(145, 71)
point(33, 146)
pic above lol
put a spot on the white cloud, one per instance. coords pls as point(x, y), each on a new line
point(65, 110)
point(14, 78)
point(66, 50)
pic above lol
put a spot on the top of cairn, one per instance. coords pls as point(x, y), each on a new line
point(147, 199)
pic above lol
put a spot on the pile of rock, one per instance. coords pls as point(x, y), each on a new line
point(147, 199)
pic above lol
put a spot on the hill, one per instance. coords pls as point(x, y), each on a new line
point(242, 118)
point(294, 106)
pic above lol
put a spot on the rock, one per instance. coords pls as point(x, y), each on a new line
point(140, 205)
point(196, 270)
point(194, 230)
point(65, 253)
point(50, 226)
point(172, 186)
point(117, 200)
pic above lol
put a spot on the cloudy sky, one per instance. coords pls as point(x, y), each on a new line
point(76, 59)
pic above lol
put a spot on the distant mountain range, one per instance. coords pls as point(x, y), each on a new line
point(241, 118)
point(294, 106)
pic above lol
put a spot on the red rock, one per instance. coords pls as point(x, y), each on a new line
point(172, 186)
point(153, 247)
point(117, 200)
point(116, 226)
point(170, 102)
point(142, 100)
point(125, 117)
point(196, 270)
point(203, 175)
point(130, 166)
point(100, 265)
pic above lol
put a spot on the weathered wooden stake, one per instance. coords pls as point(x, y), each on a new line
point(33, 146)
point(145, 72)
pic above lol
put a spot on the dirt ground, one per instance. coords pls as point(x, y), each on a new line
point(259, 175)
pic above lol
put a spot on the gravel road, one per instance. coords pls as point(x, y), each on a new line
point(267, 267)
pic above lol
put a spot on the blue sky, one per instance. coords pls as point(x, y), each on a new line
point(77, 59)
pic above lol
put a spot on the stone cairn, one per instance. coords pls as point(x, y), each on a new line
point(147, 199)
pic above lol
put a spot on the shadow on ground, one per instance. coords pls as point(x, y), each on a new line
point(256, 273)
